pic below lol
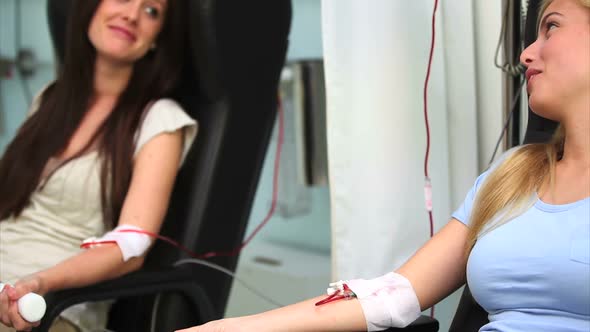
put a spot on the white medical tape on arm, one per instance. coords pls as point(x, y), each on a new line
point(387, 301)
point(131, 244)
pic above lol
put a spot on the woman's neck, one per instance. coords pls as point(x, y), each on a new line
point(576, 150)
point(577, 131)
point(110, 78)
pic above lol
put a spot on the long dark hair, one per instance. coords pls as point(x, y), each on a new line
point(65, 102)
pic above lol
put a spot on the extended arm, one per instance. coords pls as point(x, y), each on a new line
point(435, 271)
point(145, 205)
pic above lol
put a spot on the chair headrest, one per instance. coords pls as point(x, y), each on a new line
point(530, 30)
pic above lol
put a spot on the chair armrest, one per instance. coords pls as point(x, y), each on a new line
point(182, 279)
point(422, 324)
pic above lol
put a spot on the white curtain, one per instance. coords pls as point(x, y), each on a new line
point(376, 55)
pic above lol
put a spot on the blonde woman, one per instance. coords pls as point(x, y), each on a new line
point(521, 239)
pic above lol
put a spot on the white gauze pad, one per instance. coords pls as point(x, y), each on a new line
point(387, 301)
point(131, 244)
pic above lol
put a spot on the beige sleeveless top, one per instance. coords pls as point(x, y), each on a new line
point(67, 209)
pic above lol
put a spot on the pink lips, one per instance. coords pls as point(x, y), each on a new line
point(123, 32)
point(530, 74)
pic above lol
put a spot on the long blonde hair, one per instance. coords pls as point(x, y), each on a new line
point(507, 191)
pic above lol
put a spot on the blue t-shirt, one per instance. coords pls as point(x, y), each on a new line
point(533, 272)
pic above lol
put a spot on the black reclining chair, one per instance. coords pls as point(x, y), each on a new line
point(235, 53)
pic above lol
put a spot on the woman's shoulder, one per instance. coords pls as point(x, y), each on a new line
point(166, 116)
point(165, 103)
point(167, 109)
point(503, 158)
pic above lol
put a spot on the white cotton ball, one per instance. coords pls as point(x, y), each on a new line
point(32, 307)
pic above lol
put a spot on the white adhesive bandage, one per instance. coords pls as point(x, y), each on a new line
point(387, 301)
point(131, 244)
